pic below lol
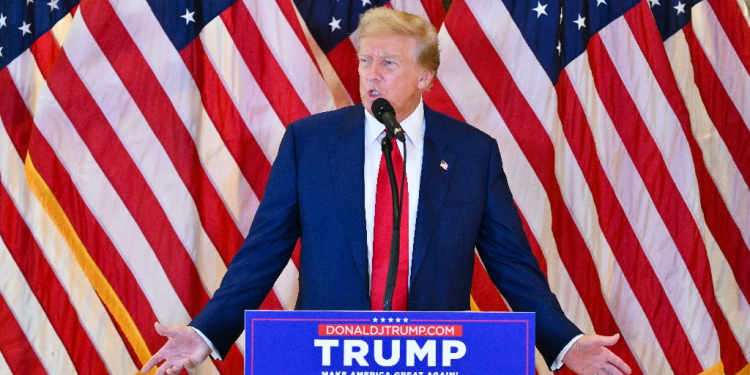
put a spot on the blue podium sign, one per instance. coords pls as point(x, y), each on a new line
point(388, 343)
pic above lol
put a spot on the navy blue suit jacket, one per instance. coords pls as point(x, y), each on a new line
point(315, 192)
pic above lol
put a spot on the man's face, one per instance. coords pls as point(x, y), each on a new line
point(388, 69)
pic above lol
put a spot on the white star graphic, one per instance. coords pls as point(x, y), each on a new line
point(382, 319)
point(653, 2)
point(680, 7)
point(374, 320)
point(2, 20)
point(390, 320)
point(406, 320)
point(365, 2)
point(398, 320)
point(25, 28)
point(540, 9)
point(559, 48)
point(335, 24)
point(600, 2)
point(1, 51)
point(581, 22)
point(53, 4)
point(188, 16)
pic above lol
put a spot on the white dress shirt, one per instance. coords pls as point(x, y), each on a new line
point(414, 128)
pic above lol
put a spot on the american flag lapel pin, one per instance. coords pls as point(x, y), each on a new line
point(443, 165)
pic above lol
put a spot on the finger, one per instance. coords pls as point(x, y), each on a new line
point(174, 370)
point(155, 359)
point(613, 370)
point(619, 364)
point(162, 369)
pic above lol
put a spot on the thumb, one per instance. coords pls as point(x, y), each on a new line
point(162, 330)
point(610, 340)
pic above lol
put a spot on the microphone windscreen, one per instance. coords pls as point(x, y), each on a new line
point(381, 106)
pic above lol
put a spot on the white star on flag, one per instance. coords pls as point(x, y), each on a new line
point(653, 2)
point(1, 51)
point(335, 24)
point(29, 2)
point(2, 20)
point(680, 7)
point(559, 48)
point(53, 5)
point(365, 2)
point(540, 9)
point(581, 22)
point(600, 2)
point(188, 16)
point(561, 15)
point(25, 28)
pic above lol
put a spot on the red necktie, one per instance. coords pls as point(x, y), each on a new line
point(381, 244)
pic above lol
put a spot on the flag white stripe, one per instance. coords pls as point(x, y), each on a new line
point(291, 55)
point(88, 306)
point(719, 162)
point(31, 317)
point(178, 83)
point(616, 290)
point(122, 113)
point(527, 73)
point(645, 220)
point(60, 30)
point(104, 203)
point(719, 51)
point(251, 102)
point(27, 78)
point(656, 112)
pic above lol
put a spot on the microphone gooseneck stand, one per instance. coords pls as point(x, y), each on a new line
point(390, 284)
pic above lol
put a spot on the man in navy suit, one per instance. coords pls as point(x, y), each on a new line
point(319, 192)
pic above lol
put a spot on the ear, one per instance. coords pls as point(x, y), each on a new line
point(425, 79)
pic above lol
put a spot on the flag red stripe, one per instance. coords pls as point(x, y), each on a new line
point(485, 294)
point(724, 115)
point(538, 150)
point(438, 99)
point(727, 121)
point(95, 239)
point(344, 61)
point(619, 233)
point(435, 12)
point(128, 182)
point(145, 89)
point(263, 65)
point(735, 26)
point(47, 289)
point(15, 347)
point(14, 114)
point(227, 120)
point(663, 191)
point(737, 138)
point(45, 50)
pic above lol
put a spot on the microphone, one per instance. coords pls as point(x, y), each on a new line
point(385, 113)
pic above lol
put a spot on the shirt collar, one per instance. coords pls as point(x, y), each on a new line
point(413, 126)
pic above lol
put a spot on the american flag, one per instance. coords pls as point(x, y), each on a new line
point(133, 158)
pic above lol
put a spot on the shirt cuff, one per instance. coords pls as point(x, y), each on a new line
point(558, 363)
point(215, 353)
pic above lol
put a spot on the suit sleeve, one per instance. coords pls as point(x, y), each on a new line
point(263, 255)
point(505, 252)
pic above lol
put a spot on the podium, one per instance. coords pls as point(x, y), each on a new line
point(388, 343)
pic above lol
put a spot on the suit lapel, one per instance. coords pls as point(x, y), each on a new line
point(347, 156)
point(433, 185)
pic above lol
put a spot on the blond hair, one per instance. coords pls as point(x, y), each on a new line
point(381, 22)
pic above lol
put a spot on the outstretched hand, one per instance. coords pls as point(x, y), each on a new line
point(185, 348)
point(590, 356)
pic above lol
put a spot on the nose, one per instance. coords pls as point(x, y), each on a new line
point(373, 73)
